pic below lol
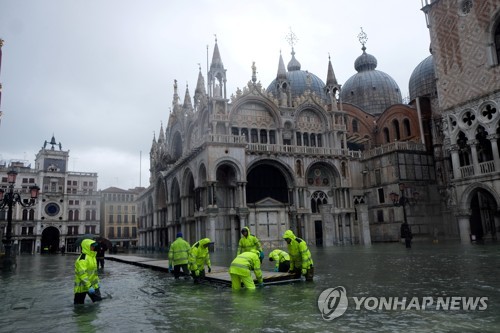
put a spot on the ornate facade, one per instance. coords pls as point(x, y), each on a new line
point(465, 42)
point(332, 162)
point(299, 154)
point(67, 206)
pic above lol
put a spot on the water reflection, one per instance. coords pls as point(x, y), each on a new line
point(38, 295)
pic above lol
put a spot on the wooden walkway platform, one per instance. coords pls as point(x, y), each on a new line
point(219, 274)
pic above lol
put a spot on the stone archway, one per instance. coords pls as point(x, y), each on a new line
point(483, 209)
point(50, 240)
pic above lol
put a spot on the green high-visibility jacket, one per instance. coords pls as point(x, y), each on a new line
point(178, 252)
point(86, 269)
point(248, 243)
point(300, 256)
point(199, 255)
point(246, 262)
point(279, 256)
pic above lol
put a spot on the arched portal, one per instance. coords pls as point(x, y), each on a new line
point(266, 181)
point(269, 194)
point(50, 240)
point(482, 220)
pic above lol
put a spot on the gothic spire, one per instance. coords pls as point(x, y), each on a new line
point(331, 80)
point(216, 59)
point(281, 68)
point(187, 100)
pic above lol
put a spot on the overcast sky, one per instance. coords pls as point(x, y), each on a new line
point(99, 74)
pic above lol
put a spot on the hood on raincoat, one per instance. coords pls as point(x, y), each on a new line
point(248, 231)
point(86, 243)
point(289, 234)
point(204, 241)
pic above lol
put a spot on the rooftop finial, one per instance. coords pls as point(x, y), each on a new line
point(291, 38)
point(363, 38)
point(254, 72)
point(199, 66)
point(215, 35)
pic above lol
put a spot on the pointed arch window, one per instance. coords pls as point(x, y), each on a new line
point(313, 140)
point(355, 126)
point(244, 132)
point(32, 215)
point(464, 152)
point(299, 139)
point(387, 138)
point(263, 136)
point(272, 137)
point(397, 133)
point(253, 136)
point(407, 128)
point(318, 198)
point(70, 215)
point(484, 149)
point(25, 215)
point(306, 139)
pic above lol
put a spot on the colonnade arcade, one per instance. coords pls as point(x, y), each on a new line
point(270, 199)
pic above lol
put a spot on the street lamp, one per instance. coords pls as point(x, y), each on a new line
point(402, 200)
point(9, 199)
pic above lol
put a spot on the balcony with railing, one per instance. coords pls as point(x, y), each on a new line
point(485, 168)
point(301, 150)
point(241, 140)
point(394, 146)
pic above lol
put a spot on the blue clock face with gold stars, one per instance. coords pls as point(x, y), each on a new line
point(52, 209)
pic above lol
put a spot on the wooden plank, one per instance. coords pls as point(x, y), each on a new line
point(219, 274)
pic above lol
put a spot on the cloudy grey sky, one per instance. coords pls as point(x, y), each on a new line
point(98, 74)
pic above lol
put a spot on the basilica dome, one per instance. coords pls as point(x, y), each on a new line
point(299, 80)
point(371, 90)
point(423, 79)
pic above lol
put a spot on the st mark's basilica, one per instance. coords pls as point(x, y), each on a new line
point(337, 162)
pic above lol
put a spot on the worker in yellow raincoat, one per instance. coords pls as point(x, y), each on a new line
point(300, 257)
point(178, 256)
point(86, 279)
point(281, 259)
point(198, 258)
point(248, 242)
point(241, 268)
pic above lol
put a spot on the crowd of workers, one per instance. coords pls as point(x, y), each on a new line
point(192, 261)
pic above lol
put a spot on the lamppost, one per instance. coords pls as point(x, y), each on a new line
point(402, 200)
point(9, 199)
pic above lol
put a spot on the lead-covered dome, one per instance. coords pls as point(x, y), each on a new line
point(423, 79)
point(299, 80)
point(371, 90)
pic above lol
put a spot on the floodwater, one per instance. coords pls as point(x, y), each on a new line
point(37, 296)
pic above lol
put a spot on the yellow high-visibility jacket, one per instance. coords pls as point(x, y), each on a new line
point(279, 256)
point(248, 243)
point(300, 256)
point(178, 252)
point(199, 256)
point(246, 262)
point(86, 269)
